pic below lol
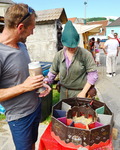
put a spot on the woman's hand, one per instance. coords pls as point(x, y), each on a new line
point(84, 91)
point(46, 91)
point(82, 94)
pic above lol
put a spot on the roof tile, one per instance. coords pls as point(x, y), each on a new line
point(115, 23)
point(51, 14)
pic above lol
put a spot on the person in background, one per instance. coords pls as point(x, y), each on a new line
point(116, 37)
point(75, 66)
point(92, 47)
point(97, 52)
point(17, 89)
point(111, 50)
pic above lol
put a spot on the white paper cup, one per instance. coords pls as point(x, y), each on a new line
point(35, 69)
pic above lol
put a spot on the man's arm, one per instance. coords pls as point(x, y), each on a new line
point(30, 84)
point(104, 49)
point(118, 48)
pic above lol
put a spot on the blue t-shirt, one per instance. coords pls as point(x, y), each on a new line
point(14, 71)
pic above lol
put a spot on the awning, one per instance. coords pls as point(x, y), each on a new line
point(85, 31)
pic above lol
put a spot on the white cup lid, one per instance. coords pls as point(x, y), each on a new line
point(34, 65)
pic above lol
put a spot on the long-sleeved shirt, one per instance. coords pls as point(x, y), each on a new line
point(91, 76)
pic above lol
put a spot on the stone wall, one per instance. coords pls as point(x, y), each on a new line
point(42, 45)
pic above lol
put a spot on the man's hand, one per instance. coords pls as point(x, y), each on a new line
point(32, 83)
point(46, 92)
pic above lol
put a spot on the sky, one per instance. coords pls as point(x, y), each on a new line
point(77, 8)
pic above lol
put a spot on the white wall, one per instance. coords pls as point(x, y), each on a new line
point(115, 30)
point(42, 44)
point(3, 8)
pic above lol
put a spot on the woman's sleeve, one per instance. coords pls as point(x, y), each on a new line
point(92, 77)
point(54, 70)
point(50, 78)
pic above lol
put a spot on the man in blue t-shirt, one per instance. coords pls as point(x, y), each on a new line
point(17, 89)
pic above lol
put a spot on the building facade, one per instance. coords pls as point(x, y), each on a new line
point(46, 40)
point(114, 27)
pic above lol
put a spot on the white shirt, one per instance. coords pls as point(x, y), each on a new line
point(111, 46)
point(97, 45)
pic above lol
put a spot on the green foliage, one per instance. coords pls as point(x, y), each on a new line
point(111, 20)
point(48, 120)
point(95, 19)
point(98, 19)
point(55, 99)
point(2, 117)
point(56, 95)
point(97, 98)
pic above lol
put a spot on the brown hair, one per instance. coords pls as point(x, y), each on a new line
point(115, 34)
point(15, 14)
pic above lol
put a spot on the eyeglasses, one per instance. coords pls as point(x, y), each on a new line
point(30, 12)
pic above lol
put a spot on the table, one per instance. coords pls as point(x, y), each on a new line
point(47, 142)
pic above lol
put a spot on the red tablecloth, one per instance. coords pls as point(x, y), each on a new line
point(47, 142)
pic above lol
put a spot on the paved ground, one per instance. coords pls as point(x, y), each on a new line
point(6, 142)
point(108, 91)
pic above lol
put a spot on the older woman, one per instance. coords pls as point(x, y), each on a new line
point(75, 66)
